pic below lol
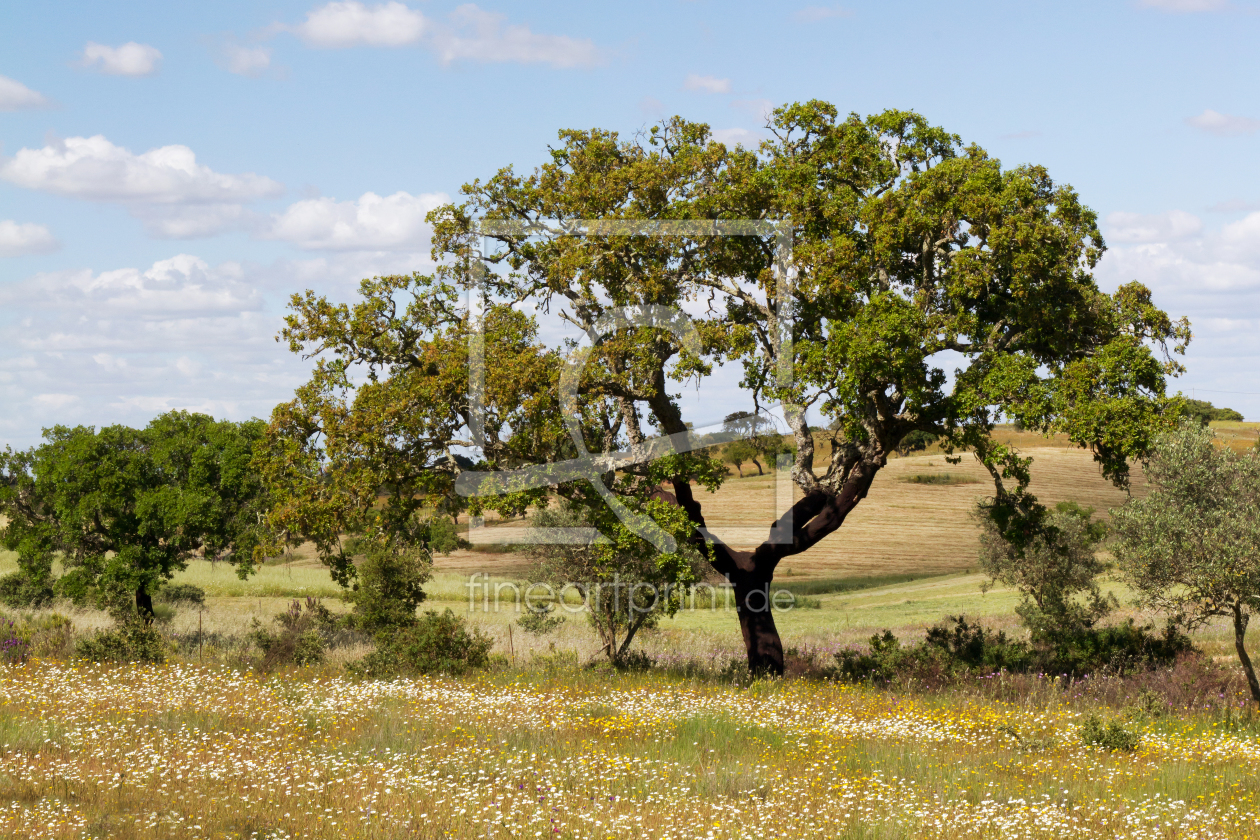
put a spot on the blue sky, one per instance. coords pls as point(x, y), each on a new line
point(169, 173)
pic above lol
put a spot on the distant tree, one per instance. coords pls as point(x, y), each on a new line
point(759, 435)
point(740, 452)
point(916, 441)
point(125, 509)
point(1205, 412)
point(1191, 545)
point(389, 585)
point(1055, 571)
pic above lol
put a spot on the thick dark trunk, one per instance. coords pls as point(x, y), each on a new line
point(758, 464)
point(144, 605)
point(1240, 637)
point(751, 572)
point(756, 621)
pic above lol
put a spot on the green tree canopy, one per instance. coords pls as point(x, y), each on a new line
point(905, 244)
point(124, 509)
point(1191, 546)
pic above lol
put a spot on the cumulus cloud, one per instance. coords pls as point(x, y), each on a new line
point(15, 96)
point(20, 239)
point(166, 188)
point(478, 35)
point(1212, 276)
point(707, 84)
point(371, 223)
point(1159, 227)
point(1223, 125)
point(94, 168)
point(353, 24)
point(122, 345)
point(1184, 6)
point(813, 14)
point(130, 59)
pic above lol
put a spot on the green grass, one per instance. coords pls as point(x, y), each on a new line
point(829, 586)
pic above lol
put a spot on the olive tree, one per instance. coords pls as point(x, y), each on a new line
point(1191, 545)
point(906, 244)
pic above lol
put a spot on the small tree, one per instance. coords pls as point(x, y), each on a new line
point(627, 584)
point(1051, 568)
point(389, 584)
point(124, 509)
point(740, 452)
point(1191, 547)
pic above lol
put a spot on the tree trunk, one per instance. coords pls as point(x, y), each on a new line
point(751, 572)
point(144, 605)
point(758, 463)
point(1240, 635)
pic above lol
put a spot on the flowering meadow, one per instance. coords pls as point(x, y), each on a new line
point(200, 752)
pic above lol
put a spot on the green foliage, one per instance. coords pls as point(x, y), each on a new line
point(301, 637)
point(1191, 546)
point(916, 441)
point(1052, 562)
point(626, 583)
point(1112, 736)
point(907, 243)
point(133, 641)
point(1204, 412)
point(956, 648)
point(436, 643)
point(124, 509)
point(540, 620)
point(182, 594)
point(389, 584)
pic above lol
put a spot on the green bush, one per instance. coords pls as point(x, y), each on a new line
point(301, 638)
point(957, 648)
point(1111, 736)
point(133, 641)
point(18, 589)
point(436, 643)
point(181, 594)
point(389, 585)
point(540, 620)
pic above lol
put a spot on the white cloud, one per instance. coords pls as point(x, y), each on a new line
point(94, 168)
point(707, 84)
point(1212, 276)
point(372, 223)
point(243, 60)
point(1184, 6)
point(353, 24)
point(15, 96)
point(1223, 125)
point(192, 221)
point(19, 239)
point(813, 14)
point(478, 35)
point(1159, 227)
point(121, 345)
point(130, 59)
point(737, 137)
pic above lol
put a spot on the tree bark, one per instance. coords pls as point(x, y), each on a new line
point(750, 573)
point(144, 605)
point(1240, 636)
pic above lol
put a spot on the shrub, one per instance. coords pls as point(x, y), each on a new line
point(181, 594)
point(1111, 736)
point(13, 648)
point(1118, 648)
point(132, 641)
point(301, 638)
point(436, 643)
point(389, 585)
point(540, 620)
point(973, 646)
point(19, 589)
